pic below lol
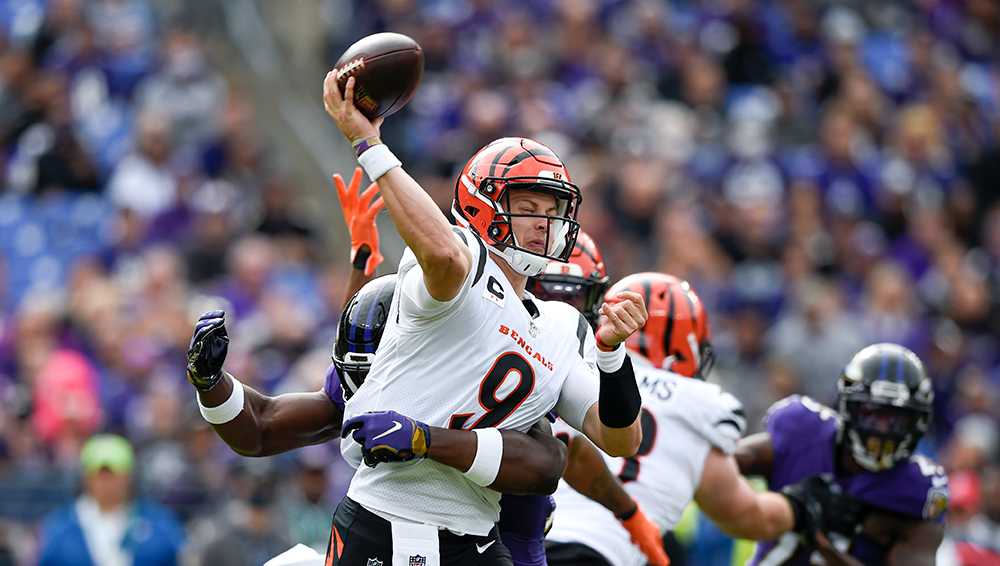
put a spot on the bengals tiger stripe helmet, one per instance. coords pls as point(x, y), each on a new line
point(676, 336)
point(580, 282)
point(482, 200)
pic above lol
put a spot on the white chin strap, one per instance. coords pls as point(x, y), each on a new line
point(529, 264)
point(523, 262)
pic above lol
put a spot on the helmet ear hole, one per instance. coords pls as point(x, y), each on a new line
point(499, 231)
point(471, 211)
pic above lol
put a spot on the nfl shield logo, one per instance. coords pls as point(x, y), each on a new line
point(417, 560)
point(374, 562)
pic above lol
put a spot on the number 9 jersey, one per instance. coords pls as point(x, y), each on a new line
point(682, 419)
point(483, 359)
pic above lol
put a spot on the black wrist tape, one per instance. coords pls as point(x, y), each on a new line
point(619, 401)
point(361, 258)
point(628, 514)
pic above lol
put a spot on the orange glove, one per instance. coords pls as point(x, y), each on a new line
point(646, 535)
point(359, 216)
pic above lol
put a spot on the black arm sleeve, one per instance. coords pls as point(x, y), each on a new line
point(619, 401)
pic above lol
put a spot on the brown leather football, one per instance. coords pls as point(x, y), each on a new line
point(387, 68)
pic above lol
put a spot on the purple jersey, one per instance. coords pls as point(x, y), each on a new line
point(522, 527)
point(804, 436)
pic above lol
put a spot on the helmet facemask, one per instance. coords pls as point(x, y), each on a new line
point(584, 295)
point(706, 361)
point(885, 403)
point(352, 369)
point(880, 435)
point(560, 231)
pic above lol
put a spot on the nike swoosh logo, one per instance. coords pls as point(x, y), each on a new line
point(482, 549)
point(395, 426)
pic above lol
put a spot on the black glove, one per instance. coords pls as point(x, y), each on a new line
point(810, 499)
point(207, 351)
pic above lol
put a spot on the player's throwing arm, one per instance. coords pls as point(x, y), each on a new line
point(425, 230)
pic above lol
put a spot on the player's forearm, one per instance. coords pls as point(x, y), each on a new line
point(767, 518)
point(531, 465)
point(618, 431)
point(621, 442)
point(917, 545)
point(587, 473)
point(272, 425)
point(754, 455)
point(421, 224)
point(357, 279)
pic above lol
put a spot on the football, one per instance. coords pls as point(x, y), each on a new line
point(387, 68)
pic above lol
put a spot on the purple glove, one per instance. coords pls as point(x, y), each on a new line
point(387, 436)
point(207, 351)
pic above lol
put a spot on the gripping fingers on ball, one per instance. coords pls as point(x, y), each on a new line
point(331, 91)
point(349, 96)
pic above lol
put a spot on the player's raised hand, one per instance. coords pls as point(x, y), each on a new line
point(387, 436)
point(360, 210)
point(621, 316)
point(207, 351)
point(646, 535)
point(350, 121)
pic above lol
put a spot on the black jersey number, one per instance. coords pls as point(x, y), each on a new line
point(499, 409)
point(630, 471)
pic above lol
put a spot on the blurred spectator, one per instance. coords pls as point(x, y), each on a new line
point(817, 339)
point(977, 543)
point(307, 504)
point(973, 445)
point(106, 525)
point(254, 535)
point(186, 90)
point(889, 308)
point(67, 409)
point(143, 181)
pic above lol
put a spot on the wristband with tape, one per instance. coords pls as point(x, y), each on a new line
point(489, 452)
point(611, 361)
point(228, 410)
point(377, 161)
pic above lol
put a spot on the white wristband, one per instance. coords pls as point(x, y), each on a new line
point(489, 452)
point(227, 411)
point(610, 362)
point(377, 161)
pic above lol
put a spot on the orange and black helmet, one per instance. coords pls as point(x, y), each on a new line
point(482, 200)
point(676, 336)
point(580, 282)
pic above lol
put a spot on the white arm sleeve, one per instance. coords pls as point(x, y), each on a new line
point(416, 302)
point(579, 393)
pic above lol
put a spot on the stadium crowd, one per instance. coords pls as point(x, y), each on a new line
point(825, 174)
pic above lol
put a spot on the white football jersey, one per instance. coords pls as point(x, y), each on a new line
point(682, 419)
point(479, 360)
